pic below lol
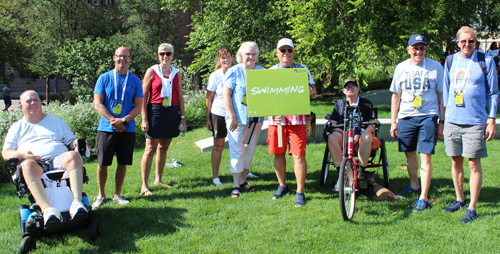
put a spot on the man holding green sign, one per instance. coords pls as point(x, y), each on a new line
point(293, 127)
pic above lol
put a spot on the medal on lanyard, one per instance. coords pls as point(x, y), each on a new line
point(166, 101)
point(244, 100)
point(117, 109)
point(459, 99)
point(417, 99)
point(459, 96)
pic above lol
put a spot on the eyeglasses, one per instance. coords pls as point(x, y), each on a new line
point(122, 56)
point(165, 53)
point(349, 87)
point(250, 54)
point(284, 50)
point(421, 48)
point(469, 41)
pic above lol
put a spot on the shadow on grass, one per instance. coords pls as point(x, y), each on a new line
point(121, 228)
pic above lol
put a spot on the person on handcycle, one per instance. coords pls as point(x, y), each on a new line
point(364, 141)
point(41, 141)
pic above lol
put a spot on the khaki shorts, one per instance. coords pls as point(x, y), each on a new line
point(465, 140)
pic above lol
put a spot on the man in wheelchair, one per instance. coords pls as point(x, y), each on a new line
point(365, 141)
point(40, 142)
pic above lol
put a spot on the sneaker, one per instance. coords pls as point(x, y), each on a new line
point(455, 206)
point(51, 216)
point(336, 188)
point(470, 215)
point(251, 175)
point(409, 189)
point(422, 204)
point(120, 200)
point(216, 181)
point(300, 199)
point(282, 191)
point(98, 201)
point(77, 209)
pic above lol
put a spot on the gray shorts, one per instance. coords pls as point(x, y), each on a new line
point(465, 140)
point(54, 163)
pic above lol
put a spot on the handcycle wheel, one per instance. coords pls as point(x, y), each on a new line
point(325, 167)
point(27, 244)
point(385, 163)
point(347, 191)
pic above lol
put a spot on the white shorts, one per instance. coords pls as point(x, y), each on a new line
point(241, 156)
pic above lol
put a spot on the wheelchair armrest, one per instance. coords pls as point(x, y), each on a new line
point(12, 162)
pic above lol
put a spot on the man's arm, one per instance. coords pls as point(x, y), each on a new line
point(9, 153)
point(395, 101)
point(101, 108)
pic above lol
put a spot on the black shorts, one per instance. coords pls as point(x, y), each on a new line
point(110, 143)
point(7, 100)
point(219, 129)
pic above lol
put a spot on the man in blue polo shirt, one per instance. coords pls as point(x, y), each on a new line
point(118, 98)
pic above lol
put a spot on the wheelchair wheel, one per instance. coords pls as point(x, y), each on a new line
point(347, 191)
point(27, 244)
point(325, 166)
point(385, 163)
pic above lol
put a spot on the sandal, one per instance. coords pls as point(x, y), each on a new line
point(235, 192)
point(164, 185)
point(247, 186)
point(146, 193)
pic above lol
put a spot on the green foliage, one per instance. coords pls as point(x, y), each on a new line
point(230, 23)
point(195, 109)
point(76, 94)
point(84, 60)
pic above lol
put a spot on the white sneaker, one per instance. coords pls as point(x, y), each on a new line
point(77, 209)
point(51, 216)
point(251, 175)
point(217, 181)
point(120, 200)
point(337, 185)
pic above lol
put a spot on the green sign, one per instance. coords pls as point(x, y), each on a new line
point(273, 92)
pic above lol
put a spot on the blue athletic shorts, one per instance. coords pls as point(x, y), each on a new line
point(418, 129)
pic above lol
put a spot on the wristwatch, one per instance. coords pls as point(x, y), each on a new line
point(124, 121)
point(441, 121)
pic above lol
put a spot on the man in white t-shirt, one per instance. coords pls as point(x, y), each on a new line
point(41, 142)
point(417, 101)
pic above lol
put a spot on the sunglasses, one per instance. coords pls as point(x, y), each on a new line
point(285, 50)
point(165, 53)
point(469, 41)
point(122, 56)
point(349, 87)
point(421, 48)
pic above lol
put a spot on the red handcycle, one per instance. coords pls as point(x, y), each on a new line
point(348, 174)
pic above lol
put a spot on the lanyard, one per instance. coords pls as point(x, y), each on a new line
point(467, 71)
point(293, 66)
point(411, 78)
point(116, 87)
point(357, 106)
point(165, 81)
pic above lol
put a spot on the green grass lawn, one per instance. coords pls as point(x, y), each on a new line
point(196, 216)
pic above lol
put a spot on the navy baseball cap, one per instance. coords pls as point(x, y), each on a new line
point(416, 38)
point(350, 80)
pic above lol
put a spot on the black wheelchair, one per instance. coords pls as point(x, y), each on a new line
point(378, 157)
point(31, 216)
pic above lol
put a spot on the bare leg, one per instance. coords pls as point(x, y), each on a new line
point(147, 160)
point(102, 177)
point(280, 168)
point(412, 166)
point(335, 146)
point(365, 148)
point(161, 157)
point(121, 171)
point(457, 173)
point(216, 156)
point(425, 174)
point(300, 167)
point(476, 179)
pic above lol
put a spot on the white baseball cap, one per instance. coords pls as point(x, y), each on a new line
point(285, 42)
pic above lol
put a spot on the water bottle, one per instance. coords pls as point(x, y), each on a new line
point(181, 130)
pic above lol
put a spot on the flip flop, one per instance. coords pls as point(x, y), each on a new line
point(146, 193)
point(235, 192)
point(247, 186)
point(164, 185)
